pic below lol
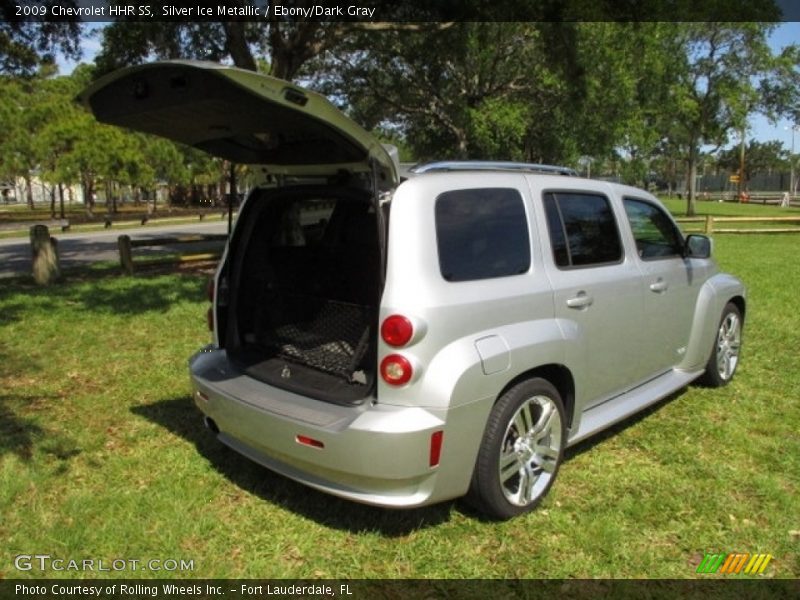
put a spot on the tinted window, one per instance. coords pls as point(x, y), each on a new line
point(655, 234)
point(482, 233)
point(582, 229)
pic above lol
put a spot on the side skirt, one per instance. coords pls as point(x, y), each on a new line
point(620, 407)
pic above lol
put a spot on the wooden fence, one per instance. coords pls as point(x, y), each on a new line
point(126, 246)
point(709, 224)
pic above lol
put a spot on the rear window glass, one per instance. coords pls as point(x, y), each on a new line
point(583, 230)
point(482, 234)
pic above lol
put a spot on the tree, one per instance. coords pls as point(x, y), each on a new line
point(722, 67)
point(29, 105)
point(761, 157)
point(26, 44)
point(546, 92)
point(283, 45)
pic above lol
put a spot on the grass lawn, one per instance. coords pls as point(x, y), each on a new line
point(729, 209)
point(102, 455)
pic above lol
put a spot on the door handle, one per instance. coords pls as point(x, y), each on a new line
point(581, 300)
point(659, 286)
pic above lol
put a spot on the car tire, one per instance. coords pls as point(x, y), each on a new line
point(521, 450)
point(724, 359)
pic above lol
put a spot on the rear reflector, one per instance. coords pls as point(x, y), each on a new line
point(396, 369)
point(436, 447)
point(307, 441)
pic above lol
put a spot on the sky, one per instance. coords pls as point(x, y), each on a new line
point(760, 127)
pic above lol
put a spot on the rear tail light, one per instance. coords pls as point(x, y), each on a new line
point(396, 369)
point(210, 318)
point(397, 330)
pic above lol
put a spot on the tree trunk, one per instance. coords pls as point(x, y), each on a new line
point(29, 190)
point(53, 202)
point(237, 45)
point(691, 182)
point(87, 184)
point(61, 200)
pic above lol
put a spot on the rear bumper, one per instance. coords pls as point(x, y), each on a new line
point(372, 453)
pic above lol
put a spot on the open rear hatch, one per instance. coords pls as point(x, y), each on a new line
point(239, 115)
point(304, 266)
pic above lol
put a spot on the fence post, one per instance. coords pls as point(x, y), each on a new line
point(44, 250)
point(709, 228)
point(125, 254)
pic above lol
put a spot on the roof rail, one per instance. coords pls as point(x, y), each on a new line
point(490, 165)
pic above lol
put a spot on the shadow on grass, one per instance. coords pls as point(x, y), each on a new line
point(17, 435)
point(615, 429)
point(180, 416)
point(103, 294)
point(22, 436)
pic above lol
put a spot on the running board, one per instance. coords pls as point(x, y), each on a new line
point(616, 409)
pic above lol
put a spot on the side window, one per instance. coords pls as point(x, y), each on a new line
point(655, 234)
point(583, 230)
point(481, 234)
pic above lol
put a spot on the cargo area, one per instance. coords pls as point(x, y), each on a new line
point(306, 290)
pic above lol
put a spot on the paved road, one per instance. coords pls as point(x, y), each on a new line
point(77, 249)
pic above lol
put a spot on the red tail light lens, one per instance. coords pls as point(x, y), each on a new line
point(397, 330)
point(396, 369)
point(210, 319)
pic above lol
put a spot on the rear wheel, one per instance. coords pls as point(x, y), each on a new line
point(724, 358)
point(521, 450)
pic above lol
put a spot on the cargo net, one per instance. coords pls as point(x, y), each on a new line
point(327, 335)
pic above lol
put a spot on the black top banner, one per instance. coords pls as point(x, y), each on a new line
point(377, 11)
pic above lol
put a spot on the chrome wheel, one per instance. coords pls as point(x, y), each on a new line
point(729, 342)
point(724, 356)
point(530, 451)
point(522, 448)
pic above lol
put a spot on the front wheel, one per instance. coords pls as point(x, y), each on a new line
point(521, 450)
point(725, 355)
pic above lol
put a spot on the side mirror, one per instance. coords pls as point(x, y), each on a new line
point(698, 246)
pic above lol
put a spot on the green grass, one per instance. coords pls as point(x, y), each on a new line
point(102, 455)
point(729, 209)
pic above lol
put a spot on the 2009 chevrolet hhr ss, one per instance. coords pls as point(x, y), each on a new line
point(401, 344)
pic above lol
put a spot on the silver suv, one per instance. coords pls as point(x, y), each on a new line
point(402, 344)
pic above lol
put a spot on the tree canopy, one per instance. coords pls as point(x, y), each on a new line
point(632, 97)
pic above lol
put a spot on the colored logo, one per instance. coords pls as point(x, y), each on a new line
point(734, 563)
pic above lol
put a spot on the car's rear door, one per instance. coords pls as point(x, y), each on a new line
point(597, 292)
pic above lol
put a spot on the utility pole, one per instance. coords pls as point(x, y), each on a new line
point(741, 164)
point(792, 182)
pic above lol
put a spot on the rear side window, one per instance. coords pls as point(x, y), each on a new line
point(482, 234)
point(583, 230)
